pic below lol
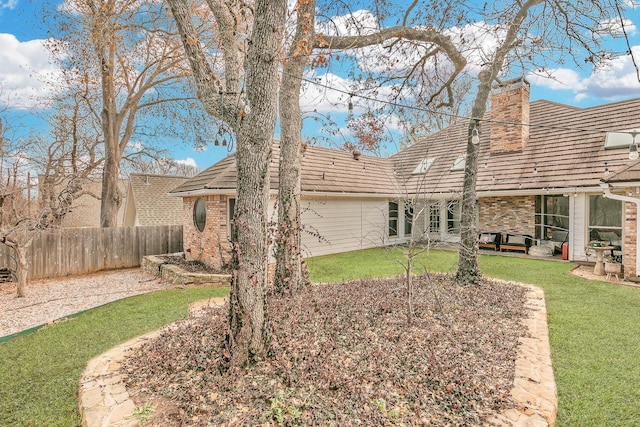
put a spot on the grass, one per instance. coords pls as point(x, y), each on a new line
point(39, 373)
point(593, 327)
point(593, 331)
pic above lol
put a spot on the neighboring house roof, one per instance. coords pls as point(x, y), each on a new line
point(322, 170)
point(85, 210)
point(148, 201)
point(564, 151)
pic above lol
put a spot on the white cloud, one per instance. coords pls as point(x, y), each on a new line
point(614, 27)
point(8, 4)
point(23, 68)
point(357, 23)
point(331, 94)
point(618, 78)
point(188, 161)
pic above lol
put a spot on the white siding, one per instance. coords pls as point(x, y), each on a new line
point(342, 225)
point(578, 227)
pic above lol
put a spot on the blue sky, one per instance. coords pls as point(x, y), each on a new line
point(22, 57)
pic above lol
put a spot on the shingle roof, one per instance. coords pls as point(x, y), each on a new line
point(149, 195)
point(322, 170)
point(566, 147)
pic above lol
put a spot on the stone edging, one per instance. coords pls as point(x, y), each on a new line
point(534, 387)
point(105, 402)
point(177, 276)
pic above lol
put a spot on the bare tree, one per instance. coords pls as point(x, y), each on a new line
point(64, 159)
point(253, 122)
point(128, 54)
point(531, 33)
point(290, 269)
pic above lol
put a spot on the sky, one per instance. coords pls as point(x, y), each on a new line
point(23, 58)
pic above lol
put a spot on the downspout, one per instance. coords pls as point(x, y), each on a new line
point(607, 193)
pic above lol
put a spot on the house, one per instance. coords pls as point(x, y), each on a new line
point(543, 167)
point(148, 201)
point(85, 209)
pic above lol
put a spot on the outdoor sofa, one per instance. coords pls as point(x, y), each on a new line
point(516, 242)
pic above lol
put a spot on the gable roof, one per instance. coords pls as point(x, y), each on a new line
point(148, 201)
point(565, 150)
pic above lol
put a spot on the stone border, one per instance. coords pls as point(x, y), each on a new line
point(173, 274)
point(534, 387)
point(104, 401)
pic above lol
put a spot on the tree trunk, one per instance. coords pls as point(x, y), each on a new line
point(104, 44)
point(110, 197)
point(468, 271)
point(290, 270)
point(249, 332)
point(23, 270)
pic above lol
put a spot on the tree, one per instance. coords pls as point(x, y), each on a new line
point(290, 270)
point(498, 37)
point(529, 31)
point(253, 124)
point(127, 53)
point(65, 160)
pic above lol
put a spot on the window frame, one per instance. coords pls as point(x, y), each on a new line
point(200, 214)
point(394, 216)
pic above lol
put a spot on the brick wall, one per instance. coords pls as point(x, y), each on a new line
point(207, 245)
point(509, 106)
point(630, 241)
point(507, 214)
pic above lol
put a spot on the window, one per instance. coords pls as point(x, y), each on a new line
point(424, 165)
point(393, 219)
point(232, 224)
point(605, 220)
point(619, 139)
point(453, 216)
point(552, 213)
point(408, 218)
point(459, 163)
point(434, 218)
point(199, 214)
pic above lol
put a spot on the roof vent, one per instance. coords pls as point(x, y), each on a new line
point(356, 155)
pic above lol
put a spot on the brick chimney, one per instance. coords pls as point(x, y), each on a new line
point(509, 108)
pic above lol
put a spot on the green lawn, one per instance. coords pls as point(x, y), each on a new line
point(39, 373)
point(594, 338)
point(594, 327)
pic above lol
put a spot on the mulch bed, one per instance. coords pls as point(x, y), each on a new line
point(344, 354)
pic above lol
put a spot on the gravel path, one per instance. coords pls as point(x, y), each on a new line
point(52, 299)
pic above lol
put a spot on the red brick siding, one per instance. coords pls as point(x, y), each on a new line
point(630, 241)
point(507, 214)
point(205, 246)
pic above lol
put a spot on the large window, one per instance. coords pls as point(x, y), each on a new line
point(605, 220)
point(552, 214)
point(408, 218)
point(199, 214)
point(453, 217)
point(393, 219)
point(434, 218)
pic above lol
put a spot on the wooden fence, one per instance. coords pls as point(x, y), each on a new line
point(74, 251)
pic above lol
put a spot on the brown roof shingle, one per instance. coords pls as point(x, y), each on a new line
point(566, 147)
